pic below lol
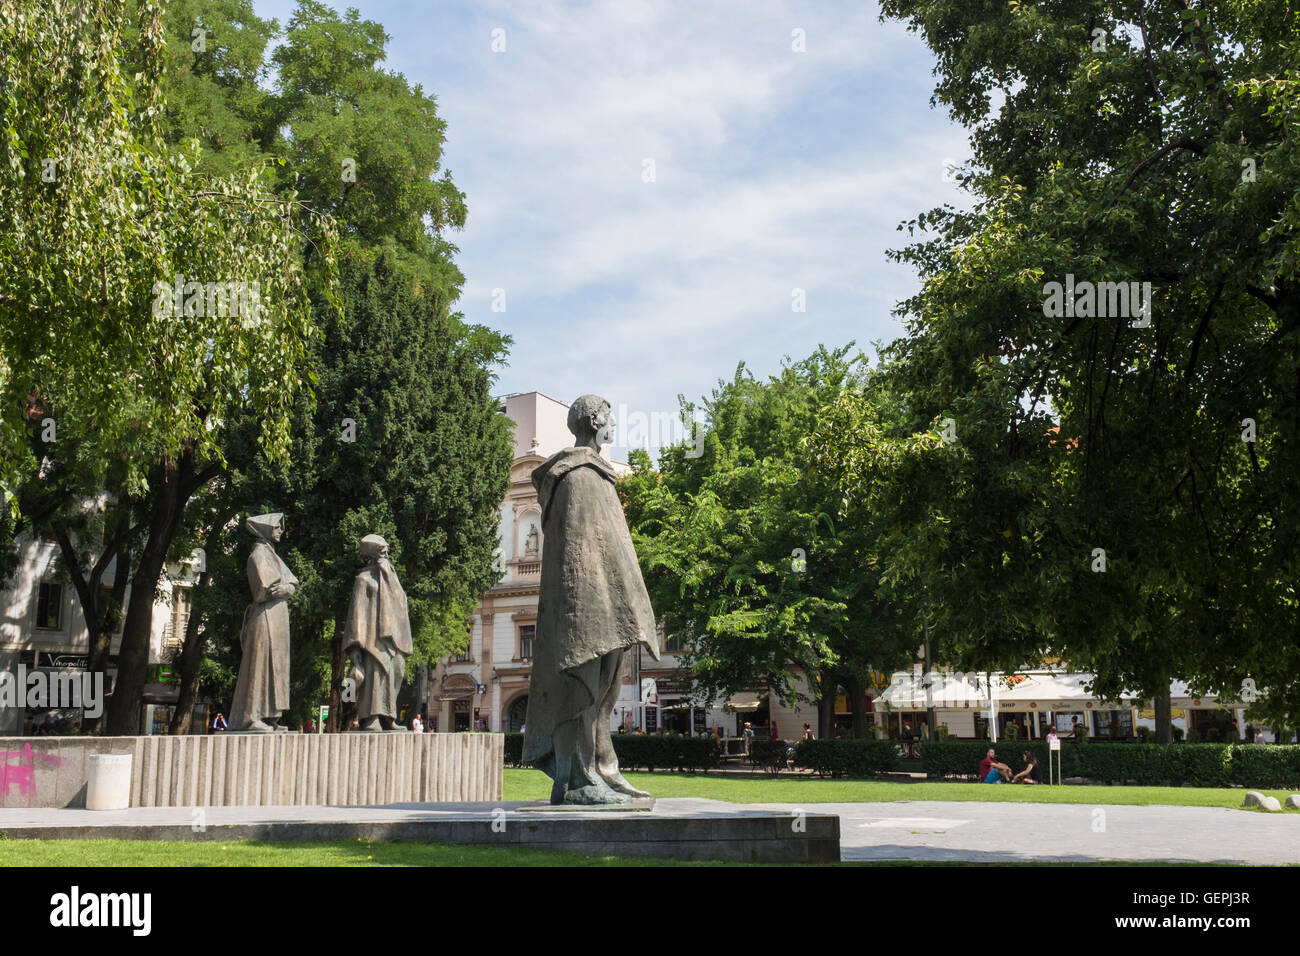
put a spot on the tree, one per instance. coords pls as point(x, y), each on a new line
point(406, 441)
point(118, 272)
point(746, 551)
point(1102, 489)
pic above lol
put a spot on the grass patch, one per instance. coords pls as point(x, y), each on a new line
point(733, 788)
point(260, 853)
point(114, 853)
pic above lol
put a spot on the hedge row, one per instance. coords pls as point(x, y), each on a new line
point(847, 758)
point(1198, 765)
point(644, 751)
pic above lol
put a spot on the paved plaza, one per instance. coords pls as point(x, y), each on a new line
point(1061, 833)
point(920, 830)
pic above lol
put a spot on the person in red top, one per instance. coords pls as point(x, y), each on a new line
point(990, 768)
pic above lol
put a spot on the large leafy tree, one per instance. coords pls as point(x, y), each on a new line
point(1112, 142)
point(404, 440)
point(430, 458)
point(748, 552)
point(98, 211)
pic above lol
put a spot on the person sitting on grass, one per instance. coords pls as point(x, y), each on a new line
point(1031, 773)
point(991, 771)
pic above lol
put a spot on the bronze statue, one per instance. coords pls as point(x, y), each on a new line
point(262, 690)
point(378, 638)
point(593, 607)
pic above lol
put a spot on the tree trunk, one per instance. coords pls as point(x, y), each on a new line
point(191, 661)
point(1164, 719)
point(857, 701)
point(100, 616)
point(133, 657)
point(826, 707)
point(337, 673)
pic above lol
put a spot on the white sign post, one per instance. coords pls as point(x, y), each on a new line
point(1053, 750)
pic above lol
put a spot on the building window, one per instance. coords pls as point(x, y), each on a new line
point(526, 634)
point(49, 605)
point(673, 645)
point(462, 657)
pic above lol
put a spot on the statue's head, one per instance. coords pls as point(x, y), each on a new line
point(267, 527)
point(374, 547)
point(591, 420)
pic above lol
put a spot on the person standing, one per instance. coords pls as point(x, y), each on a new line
point(417, 725)
point(219, 723)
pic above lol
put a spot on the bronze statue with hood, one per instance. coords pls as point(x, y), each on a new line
point(593, 607)
point(262, 690)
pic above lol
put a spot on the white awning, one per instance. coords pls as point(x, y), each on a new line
point(1047, 691)
point(907, 691)
point(744, 702)
point(1040, 691)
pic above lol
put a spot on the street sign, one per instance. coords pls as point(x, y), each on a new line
point(482, 688)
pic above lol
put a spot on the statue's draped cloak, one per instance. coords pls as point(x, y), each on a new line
point(262, 691)
point(378, 624)
point(593, 601)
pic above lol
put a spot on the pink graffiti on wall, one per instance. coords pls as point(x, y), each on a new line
point(23, 775)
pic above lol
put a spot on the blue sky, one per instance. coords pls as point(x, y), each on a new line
point(774, 170)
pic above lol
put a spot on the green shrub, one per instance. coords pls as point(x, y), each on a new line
point(1198, 765)
point(847, 758)
point(768, 755)
point(1271, 767)
point(644, 751)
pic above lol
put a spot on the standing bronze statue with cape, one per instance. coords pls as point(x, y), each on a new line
point(593, 607)
point(377, 637)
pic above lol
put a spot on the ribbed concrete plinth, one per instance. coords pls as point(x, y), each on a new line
point(231, 770)
point(680, 829)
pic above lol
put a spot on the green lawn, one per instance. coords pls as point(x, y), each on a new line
point(735, 788)
point(257, 853)
point(253, 853)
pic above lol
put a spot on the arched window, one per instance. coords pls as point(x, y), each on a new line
point(516, 711)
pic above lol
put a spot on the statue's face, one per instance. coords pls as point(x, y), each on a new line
point(278, 533)
point(603, 424)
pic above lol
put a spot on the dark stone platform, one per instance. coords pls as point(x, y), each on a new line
point(677, 829)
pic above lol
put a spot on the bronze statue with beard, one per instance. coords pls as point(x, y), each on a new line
point(593, 607)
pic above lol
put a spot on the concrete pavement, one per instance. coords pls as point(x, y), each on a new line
point(913, 830)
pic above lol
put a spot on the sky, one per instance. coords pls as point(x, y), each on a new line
point(655, 188)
